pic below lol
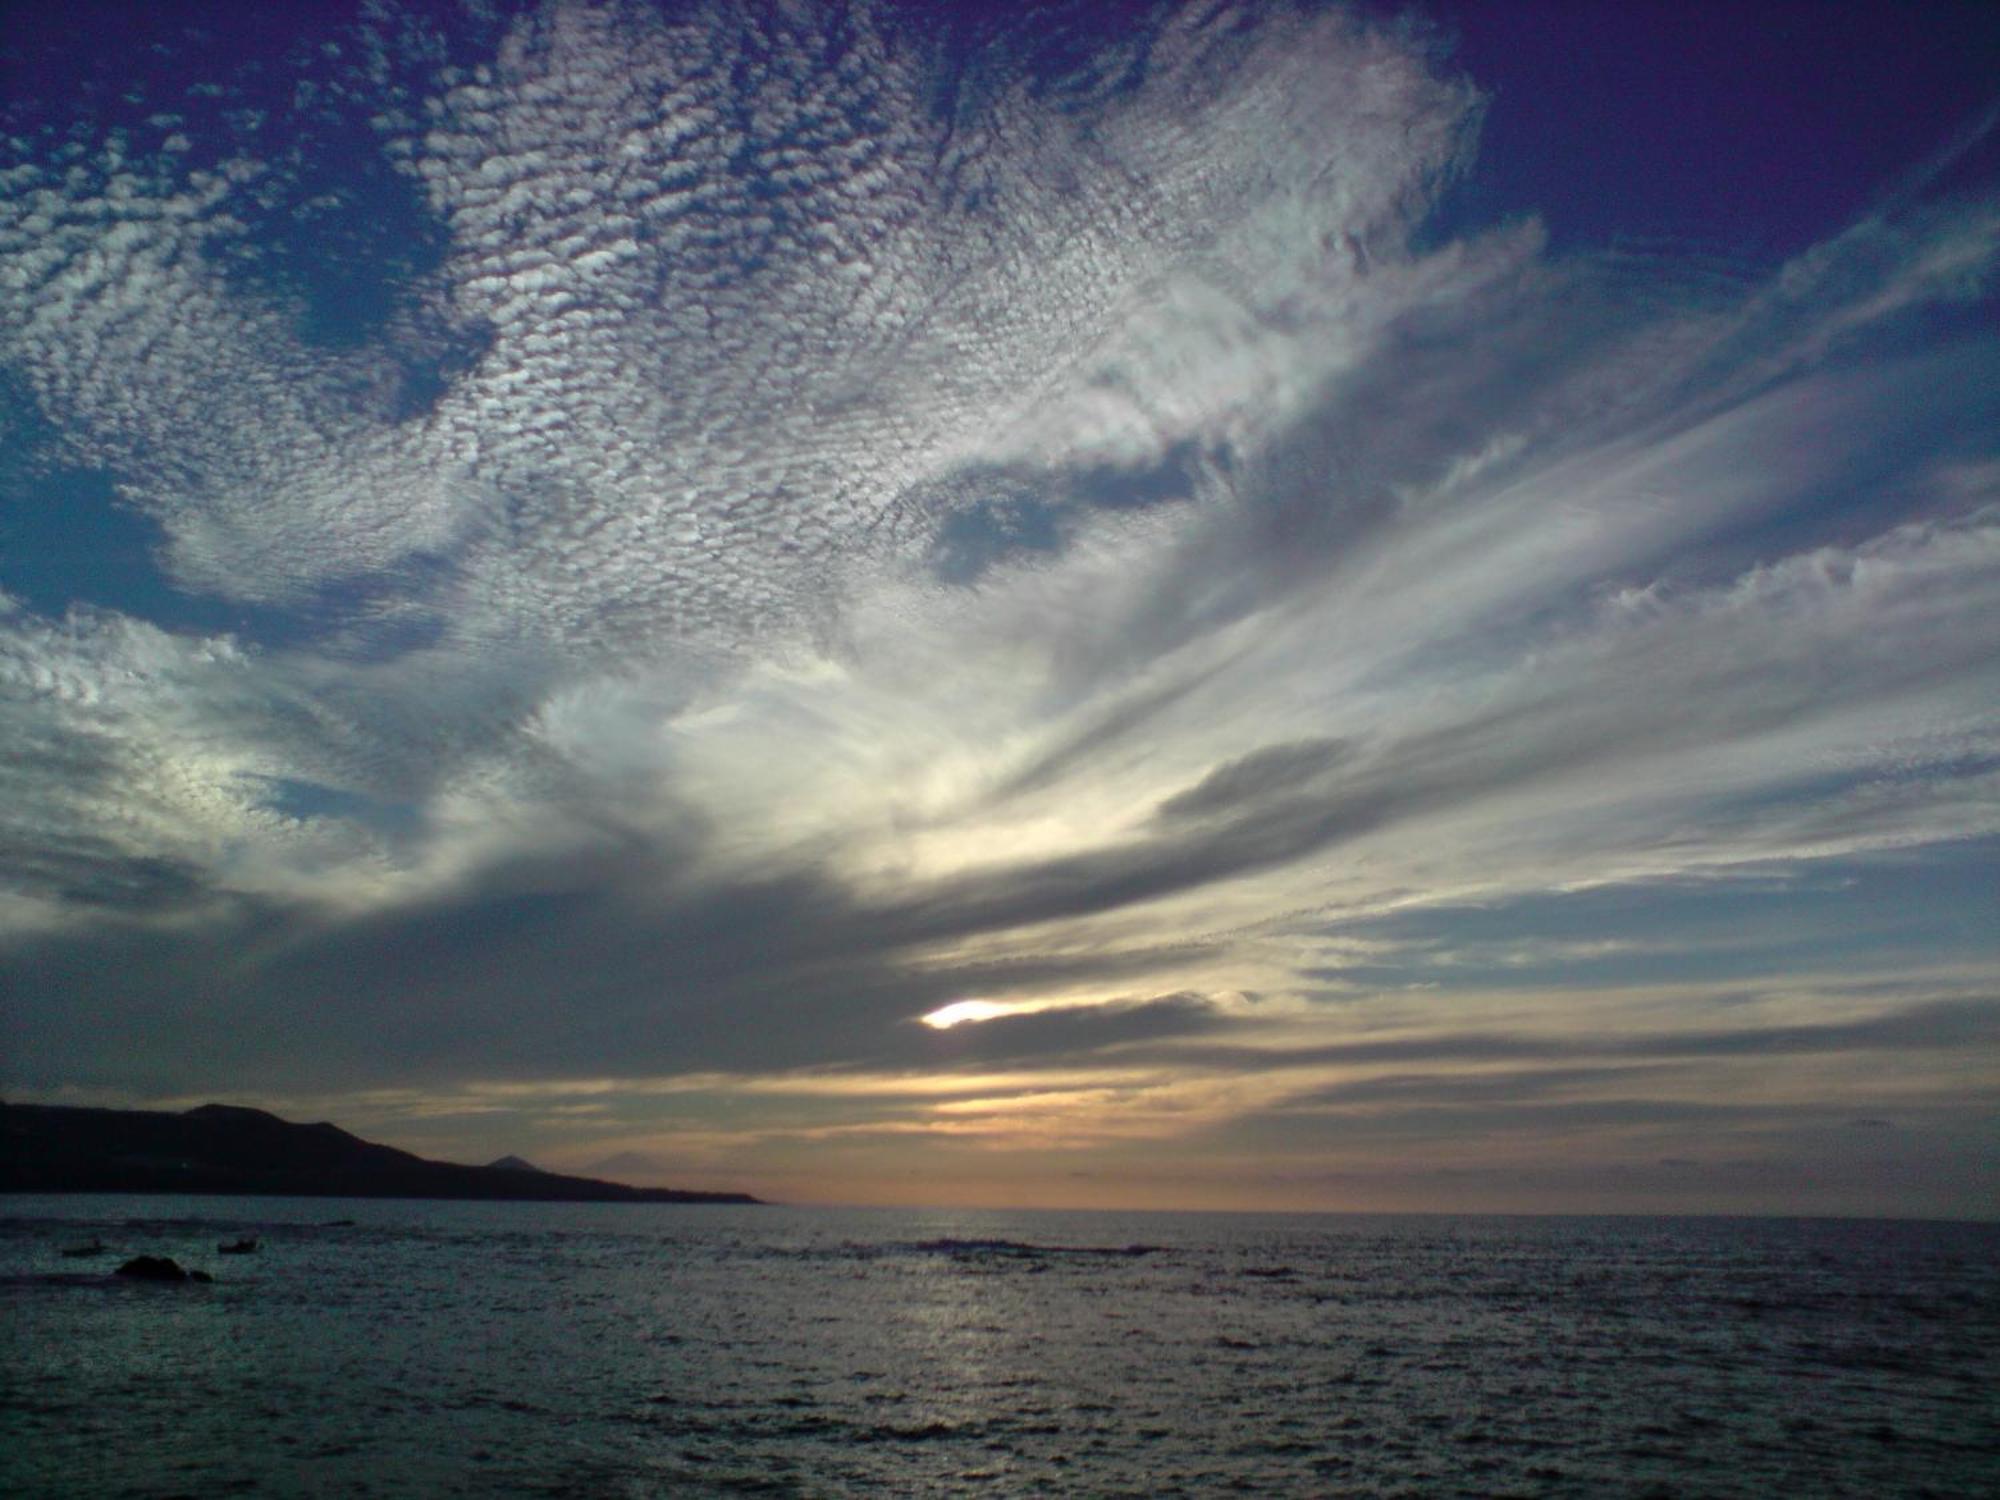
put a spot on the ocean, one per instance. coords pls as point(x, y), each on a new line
point(423, 1348)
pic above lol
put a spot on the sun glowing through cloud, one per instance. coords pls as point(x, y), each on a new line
point(959, 1012)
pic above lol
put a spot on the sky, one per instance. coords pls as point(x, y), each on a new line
point(1260, 606)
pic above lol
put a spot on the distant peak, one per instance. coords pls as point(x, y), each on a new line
point(512, 1164)
point(231, 1112)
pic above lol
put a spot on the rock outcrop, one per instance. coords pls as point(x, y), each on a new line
point(159, 1268)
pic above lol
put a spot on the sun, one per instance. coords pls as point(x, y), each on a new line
point(948, 1016)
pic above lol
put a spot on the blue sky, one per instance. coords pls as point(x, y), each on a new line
point(1377, 608)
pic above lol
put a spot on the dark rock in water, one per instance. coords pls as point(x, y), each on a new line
point(201, 1276)
point(153, 1268)
point(241, 1247)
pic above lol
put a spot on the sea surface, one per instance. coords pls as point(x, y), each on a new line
point(626, 1350)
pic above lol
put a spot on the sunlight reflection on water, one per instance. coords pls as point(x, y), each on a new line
point(589, 1349)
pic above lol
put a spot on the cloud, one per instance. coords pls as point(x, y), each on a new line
point(1936, 1025)
point(1066, 1033)
point(1254, 778)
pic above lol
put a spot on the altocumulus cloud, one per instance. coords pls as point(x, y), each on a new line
point(679, 541)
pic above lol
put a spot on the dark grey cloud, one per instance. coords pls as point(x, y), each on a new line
point(608, 963)
point(1263, 774)
point(615, 962)
point(1406, 1090)
point(1732, 1126)
point(1935, 1025)
point(1939, 1024)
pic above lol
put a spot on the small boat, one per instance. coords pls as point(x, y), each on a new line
point(241, 1247)
point(95, 1247)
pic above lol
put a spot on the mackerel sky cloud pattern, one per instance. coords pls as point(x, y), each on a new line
point(572, 570)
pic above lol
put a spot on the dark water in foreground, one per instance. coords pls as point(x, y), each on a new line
point(486, 1349)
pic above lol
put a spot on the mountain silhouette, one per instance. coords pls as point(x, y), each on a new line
point(512, 1164)
point(223, 1148)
